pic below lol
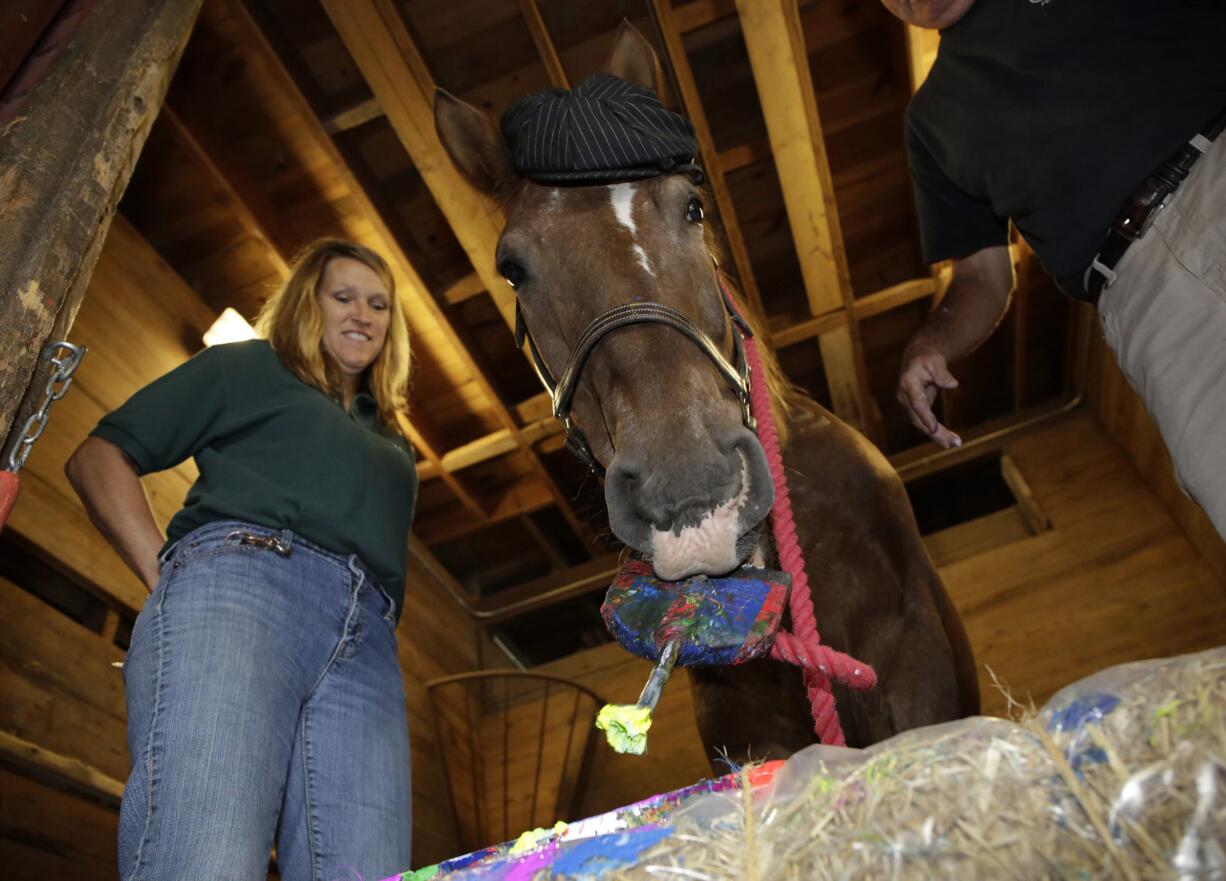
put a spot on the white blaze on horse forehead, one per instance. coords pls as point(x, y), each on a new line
point(622, 197)
point(708, 548)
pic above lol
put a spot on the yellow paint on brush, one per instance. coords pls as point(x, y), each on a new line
point(625, 726)
point(533, 838)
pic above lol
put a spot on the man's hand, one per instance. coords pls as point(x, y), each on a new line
point(923, 372)
point(977, 299)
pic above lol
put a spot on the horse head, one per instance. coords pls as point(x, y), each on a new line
point(621, 302)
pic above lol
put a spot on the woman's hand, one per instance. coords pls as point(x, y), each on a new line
point(110, 488)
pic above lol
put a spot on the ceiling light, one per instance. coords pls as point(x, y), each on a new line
point(230, 327)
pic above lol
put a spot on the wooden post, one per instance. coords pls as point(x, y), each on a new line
point(775, 42)
point(64, 162)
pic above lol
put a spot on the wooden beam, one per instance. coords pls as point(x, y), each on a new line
point(691, 101)
point(808, 329)
point(544, 43)
point(400, 258)
point(544, 432)
point(376, 36)
point(743, 155)
point(700, 13)
point(557, 587)
point(352, 117)
point(255, 212)
point(777, 55)
point(60, 771)
point(64, 163)
point(893, 297)
point(522, 496)
point(922, 45)
point(428, 450)
point(466, 288)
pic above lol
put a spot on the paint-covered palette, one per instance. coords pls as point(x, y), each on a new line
point(726, 620)
point(588, 848)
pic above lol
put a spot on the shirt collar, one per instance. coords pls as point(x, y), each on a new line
point(363, 410)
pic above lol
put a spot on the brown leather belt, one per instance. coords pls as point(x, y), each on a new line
point(1141, 209)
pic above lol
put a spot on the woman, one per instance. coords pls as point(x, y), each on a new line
point(264, 695)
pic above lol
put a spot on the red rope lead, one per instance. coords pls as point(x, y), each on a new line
point(803, 646)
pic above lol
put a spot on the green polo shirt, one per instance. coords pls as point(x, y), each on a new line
point(277, 452)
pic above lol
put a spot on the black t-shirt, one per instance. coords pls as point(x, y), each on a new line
point(1050, 113)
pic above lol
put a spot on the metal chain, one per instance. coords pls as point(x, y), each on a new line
point(57, 386)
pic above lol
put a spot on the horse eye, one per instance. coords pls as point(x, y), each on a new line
point(512, 272)
point(693, 211)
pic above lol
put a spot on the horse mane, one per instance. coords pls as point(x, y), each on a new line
point(783, 392)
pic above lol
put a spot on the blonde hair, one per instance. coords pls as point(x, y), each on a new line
point(293, 325)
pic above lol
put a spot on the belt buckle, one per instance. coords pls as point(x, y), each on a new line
point(267, 542)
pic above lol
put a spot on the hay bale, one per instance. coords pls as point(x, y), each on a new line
point(1122, 775)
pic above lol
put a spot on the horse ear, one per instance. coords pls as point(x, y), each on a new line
point(632, 58)
point(474, 144)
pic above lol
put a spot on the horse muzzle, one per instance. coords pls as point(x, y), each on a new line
point(685, 515)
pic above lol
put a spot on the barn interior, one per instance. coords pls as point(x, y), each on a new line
point(1058, 527)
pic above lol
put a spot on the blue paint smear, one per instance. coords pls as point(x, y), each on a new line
point(454, 865)
point(1088, 708)
point(1092, 756)
point(589, 858)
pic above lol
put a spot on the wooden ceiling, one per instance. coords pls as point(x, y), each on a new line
point(294, 119)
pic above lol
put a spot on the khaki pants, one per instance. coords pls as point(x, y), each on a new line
point(1165, 319)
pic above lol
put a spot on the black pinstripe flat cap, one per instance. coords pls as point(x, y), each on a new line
point(603, 130)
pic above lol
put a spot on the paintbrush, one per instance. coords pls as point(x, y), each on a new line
point(700, 621)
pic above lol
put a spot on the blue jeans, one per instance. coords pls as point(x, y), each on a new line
point(264, 699)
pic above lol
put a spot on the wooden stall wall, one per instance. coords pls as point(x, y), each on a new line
point(1124, 417)
point(1114, 579)
point(61, 701)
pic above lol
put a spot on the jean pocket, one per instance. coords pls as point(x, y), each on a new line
point(389, 604)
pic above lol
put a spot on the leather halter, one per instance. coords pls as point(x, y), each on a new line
point(563, 390)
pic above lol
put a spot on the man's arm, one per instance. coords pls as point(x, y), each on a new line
point(976, 301)
point(108, 484)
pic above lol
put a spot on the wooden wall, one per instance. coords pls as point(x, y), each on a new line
point(57, 689)
point(1114, 579)
point(1122, 414)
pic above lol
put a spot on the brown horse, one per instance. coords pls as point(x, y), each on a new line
point(687, 484)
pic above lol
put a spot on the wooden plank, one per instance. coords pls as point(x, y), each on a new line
point(978, 536)
point(691, 102)
point(557, 587)
point(700, 13)
point(840, 351)
point(466, 288)
point(742, 155)
point(483, 213)
point(253, 209)
point(544, 43)
point(352, 117)
point(893, 297)
point(922, 45)
point(61, 771)
point(777, 55)
point(130, 279)
point(66, 161)
point(1120, 411)
point(413, 432)
point(1032, 512)
point(380, 44)
point(60, 690)
point(397, 74)
point(47, 833)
